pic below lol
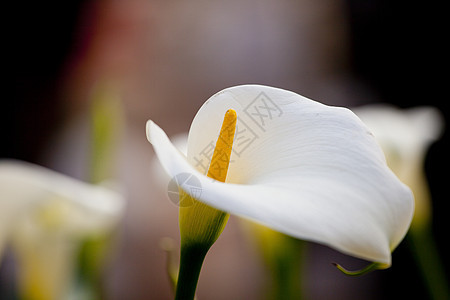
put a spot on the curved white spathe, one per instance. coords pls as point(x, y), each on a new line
point(24, 183)
point(300, 167)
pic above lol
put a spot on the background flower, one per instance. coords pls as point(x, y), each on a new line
point(57, 215)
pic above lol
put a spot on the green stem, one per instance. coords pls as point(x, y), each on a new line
point(427, 257)
point(191, 260)
point(367, 269)
point(287, 270)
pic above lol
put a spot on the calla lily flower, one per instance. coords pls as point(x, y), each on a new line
point(45, 216)
point(405, 135)
point(308, 170)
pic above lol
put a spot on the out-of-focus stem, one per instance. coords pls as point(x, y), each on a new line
point(428, 259)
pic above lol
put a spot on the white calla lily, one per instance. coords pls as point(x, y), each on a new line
point(309, 170)
point(405, 136)
point(45, 215)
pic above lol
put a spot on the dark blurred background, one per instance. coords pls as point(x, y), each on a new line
point(341, 53)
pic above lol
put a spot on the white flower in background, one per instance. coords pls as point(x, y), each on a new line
point(309, 170)
point(45, 216)
point(405, 136)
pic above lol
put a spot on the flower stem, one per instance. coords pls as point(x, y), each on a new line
point(287, 270)
point(428, 260)
point(191, 260)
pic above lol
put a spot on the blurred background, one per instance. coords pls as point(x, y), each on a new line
point(163, 59)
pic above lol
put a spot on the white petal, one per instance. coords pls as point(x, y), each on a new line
point(405, 131)
point(306, 169)
point(405, 135)
point(26, 188)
